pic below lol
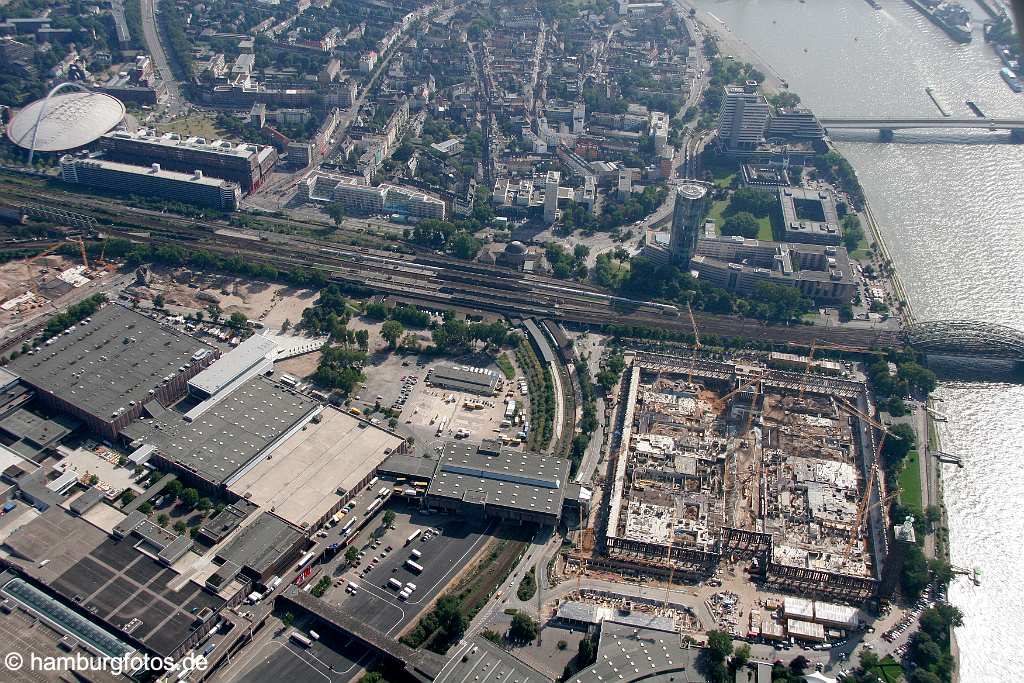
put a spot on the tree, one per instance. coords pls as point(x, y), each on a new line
point(180, 526)
point(853, 233)
point(127, 496)
point(388, 518)
point(914, 575)
point(753, 200)
point(523, 629)
point(286, 325)
point(336, 211)
point(740, 656)
point(204, 504)
point(145, 508)
point(799, 665)
point(158, 301)
point(93, 480)
point(561, 645)
point(189, 497)
point(392, 331)
point(163, 519)
point(173, 488)
point(351, 555)
point(719, 645)
point(237, 320)
point(288, 619)
point(902, 439)
point(743, 223)
point(923, 676)
point(363, 339)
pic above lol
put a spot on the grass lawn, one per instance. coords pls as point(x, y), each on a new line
point(193, 124)
point(910, 480)
point(889, 670)
point(723, 172)
point(717, 214)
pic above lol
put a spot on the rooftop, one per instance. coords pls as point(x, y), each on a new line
point(244, 425)
point(261, 544)
point(195, 178)
point(526, 481)
point(234, 363)
point(331, 454)
point(71, 120)
point(113, 361)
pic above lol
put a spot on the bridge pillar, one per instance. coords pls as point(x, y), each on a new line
point(1017, 135)
point(885, 134)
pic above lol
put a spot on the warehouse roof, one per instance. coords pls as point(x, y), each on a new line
point(465, 374)
point(315, 466)
point(628, 653)
point(261, 544)
point(246, 424)
point(411, 466)
point(248, 355)
point(117, 358)
point(524, 481)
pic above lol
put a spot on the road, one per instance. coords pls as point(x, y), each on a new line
point(176, 104)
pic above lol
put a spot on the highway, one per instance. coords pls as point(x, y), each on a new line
point(151, 35)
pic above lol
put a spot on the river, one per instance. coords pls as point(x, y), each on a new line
point(951, 210)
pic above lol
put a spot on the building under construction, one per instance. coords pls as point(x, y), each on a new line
point(728, 460)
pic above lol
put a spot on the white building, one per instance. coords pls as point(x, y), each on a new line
point(743, 118)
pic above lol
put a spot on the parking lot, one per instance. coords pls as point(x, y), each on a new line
point(331, 658)
point(442, 556)
point(400, 383)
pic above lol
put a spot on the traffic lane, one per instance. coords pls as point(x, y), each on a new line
point(442, 557)
point(334, 659)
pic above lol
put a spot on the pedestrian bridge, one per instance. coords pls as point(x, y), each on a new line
point(975, 122)
point(966, 338)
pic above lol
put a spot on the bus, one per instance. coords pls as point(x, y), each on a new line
point(373, 506)
point(413, 536)
point(395, 583)
point(383, 493)
point(440, 426)
point(301, 639)
point(413, 567)
point(304, 560)
point(416, 554)
point(348, 527)
point(373, 482)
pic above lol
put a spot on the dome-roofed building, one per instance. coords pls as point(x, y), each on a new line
point(70, 120)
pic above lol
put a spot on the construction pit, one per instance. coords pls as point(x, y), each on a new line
point(734, 462)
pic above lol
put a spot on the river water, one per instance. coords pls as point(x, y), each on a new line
point(951, 209)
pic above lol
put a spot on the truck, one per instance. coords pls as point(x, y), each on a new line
point(304, 560)
point(8, 506)
point(300, 639)
point(314, 635)
point(395, 583)
point(373, 482)
point(411, 587)
point(413, 567)
point(416, 554)
point(413, 536)
point(404, 595)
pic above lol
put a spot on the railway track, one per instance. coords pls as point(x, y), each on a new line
point(430, 277)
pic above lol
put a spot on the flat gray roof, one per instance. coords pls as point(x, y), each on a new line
point(261, 544)
point(233, 364)
point(103, 365)
point(464, 374)
point(629, 653)
point(511, 479)
point(243, 425)
point(411, 466)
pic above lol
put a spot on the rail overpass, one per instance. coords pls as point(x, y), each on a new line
point(887, 126)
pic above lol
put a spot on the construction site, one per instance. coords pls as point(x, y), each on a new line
point(727, 463)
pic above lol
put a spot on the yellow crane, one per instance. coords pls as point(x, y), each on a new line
point(81, 246)
point(720, 402)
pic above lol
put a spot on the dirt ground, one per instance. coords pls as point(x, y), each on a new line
point(270, 304)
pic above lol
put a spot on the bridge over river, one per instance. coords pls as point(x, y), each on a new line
point(887, 126)
point(965, 338)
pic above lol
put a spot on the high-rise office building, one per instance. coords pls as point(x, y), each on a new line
point(551, 196)
point(743, 118)
point(687, 219)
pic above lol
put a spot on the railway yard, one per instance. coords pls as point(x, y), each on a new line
point(422, 277)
